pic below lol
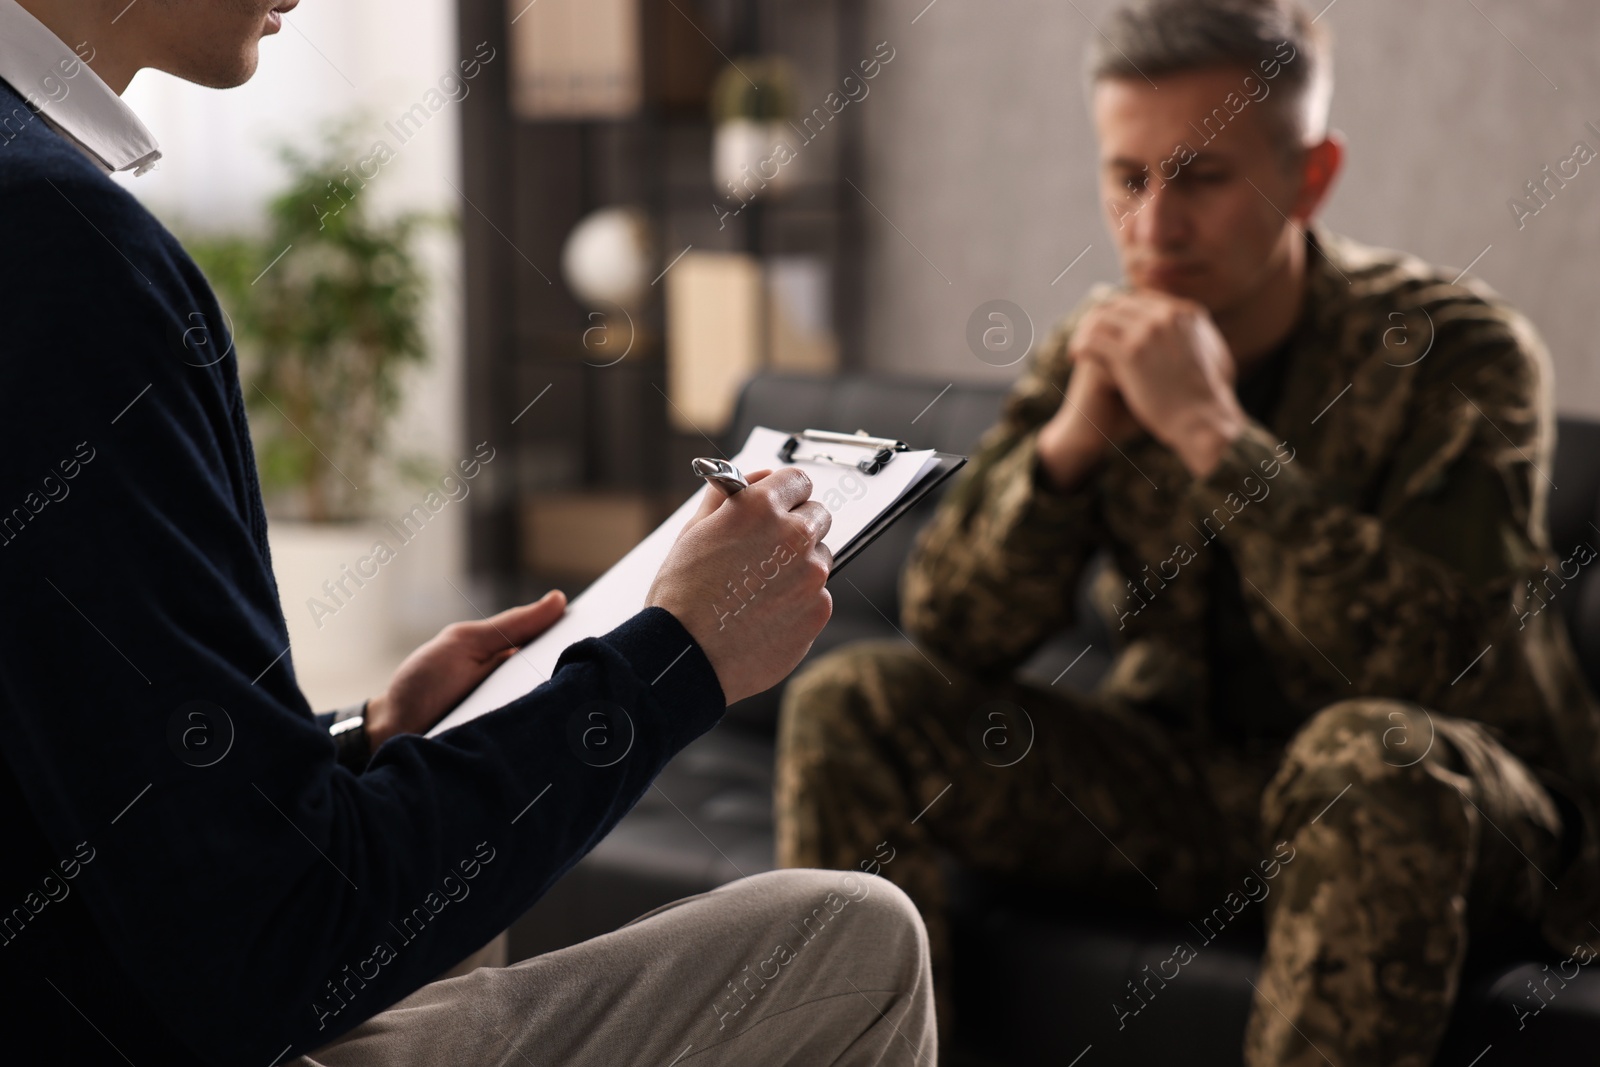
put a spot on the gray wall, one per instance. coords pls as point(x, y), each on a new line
point(979, 149)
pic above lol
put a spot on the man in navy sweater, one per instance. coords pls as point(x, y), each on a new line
point(274, 903)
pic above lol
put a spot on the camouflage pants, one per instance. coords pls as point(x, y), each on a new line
point(1409, 831)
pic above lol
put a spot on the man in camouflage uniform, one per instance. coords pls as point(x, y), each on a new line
point(1320, 472)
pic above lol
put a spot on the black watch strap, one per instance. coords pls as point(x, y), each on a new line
point(349, 733)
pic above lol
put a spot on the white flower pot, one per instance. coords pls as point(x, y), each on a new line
point(341, 636)
point(751, 159)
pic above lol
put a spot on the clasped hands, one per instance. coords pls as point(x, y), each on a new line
point(1144, 362)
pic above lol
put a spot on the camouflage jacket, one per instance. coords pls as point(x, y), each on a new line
point(1388, 528)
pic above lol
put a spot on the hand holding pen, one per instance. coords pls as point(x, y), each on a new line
point(747, 575)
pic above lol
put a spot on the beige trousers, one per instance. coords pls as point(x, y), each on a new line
point(803, 967)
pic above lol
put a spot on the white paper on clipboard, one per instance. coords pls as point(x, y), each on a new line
point(854, 499)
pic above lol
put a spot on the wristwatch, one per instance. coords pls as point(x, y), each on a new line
point(349, 732)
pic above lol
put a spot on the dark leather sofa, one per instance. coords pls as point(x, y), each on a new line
point(1036, 974)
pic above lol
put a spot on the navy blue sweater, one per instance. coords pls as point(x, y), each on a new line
point(168, 908)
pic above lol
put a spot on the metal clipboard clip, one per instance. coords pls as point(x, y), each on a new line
point(883, 448)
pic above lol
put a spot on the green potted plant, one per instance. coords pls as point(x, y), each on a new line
point(326, 308)
point(753, 149)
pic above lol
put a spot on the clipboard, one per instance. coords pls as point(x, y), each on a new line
point(949, 463)
point(875, 454)
point(892, 484)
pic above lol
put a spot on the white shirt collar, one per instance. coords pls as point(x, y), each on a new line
point(71, 97)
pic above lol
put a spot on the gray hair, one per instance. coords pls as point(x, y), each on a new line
point(1146, 39)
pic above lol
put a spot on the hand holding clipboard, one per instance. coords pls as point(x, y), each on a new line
point(862, 506)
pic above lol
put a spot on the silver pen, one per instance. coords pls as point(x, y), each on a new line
point(720, 471)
